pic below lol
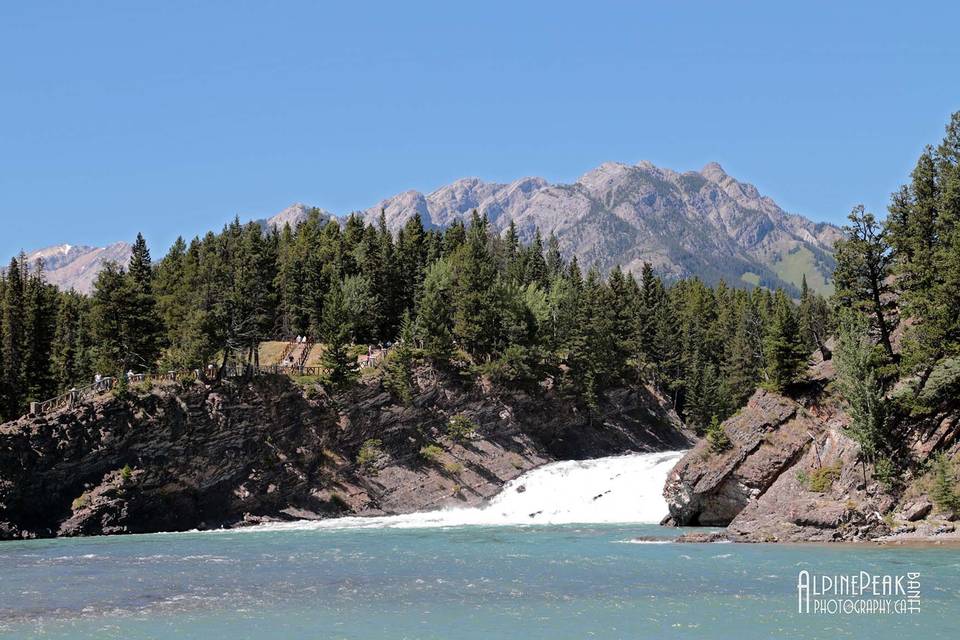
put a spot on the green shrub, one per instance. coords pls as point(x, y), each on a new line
point(126, 473)
point(431, 452)
point(370, 452)
point(822, 479)
point(80, 502)
point(121, 390)
point(453, 468)
point(944, 490)
point(143, 387)
point(398, 374)
point(305, 381)
point(885, 472)
point(716, 436)
point(513, 367)
point(461, 427)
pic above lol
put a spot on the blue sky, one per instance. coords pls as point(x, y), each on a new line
point(171, 117)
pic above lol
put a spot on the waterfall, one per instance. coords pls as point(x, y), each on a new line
point(617, 489)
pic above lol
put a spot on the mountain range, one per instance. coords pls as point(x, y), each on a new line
point(705, 224)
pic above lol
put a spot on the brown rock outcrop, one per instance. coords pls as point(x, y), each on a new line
point(793, 473)
point(240, 452)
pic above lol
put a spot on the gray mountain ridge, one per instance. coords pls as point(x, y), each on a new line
point(705, 224)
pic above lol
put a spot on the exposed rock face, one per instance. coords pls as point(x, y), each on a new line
point(708, 488)
point(207, 456)
point(792, 473)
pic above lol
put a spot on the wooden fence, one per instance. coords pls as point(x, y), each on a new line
point(75, 395)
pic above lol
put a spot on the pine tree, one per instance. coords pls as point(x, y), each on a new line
point(13, 389)
point(476, 313)
point(861, 385)
point(341, 368)
point(944, 490)
point(411, 260)
point(554, 259)
point(399, 365)
point(815, 320)
point(250, 297)
point(924, 232)
point(144, 328)
point(743, 358)
point(39, 322)
point(666, 351)
point(534, 264)
point(862, 273)
point(110, 320)
point(782, 346)
point(70, 356)
point(435, 311)
point(644, 331)
point(360, 302)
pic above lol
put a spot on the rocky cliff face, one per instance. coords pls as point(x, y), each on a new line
point(791, 473)
point(172, 459)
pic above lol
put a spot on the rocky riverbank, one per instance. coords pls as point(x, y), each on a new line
point(174, 458)
point(792, 473)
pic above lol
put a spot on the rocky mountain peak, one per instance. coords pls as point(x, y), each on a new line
point(713, 172)
point(293, 215)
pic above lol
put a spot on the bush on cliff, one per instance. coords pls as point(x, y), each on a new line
point(944, 490)
point(398, 368)
point(861, 384)
point(822, 479)
point(717, 437)
point(461, 427)
point(370, 452)
point(431, 452)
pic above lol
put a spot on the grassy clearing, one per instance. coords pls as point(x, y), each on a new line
point(793, 265)
point(271, 351)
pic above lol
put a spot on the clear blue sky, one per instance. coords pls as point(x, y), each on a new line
point(170, 117)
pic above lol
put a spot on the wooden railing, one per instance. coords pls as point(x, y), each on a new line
point(373, 358)
point(304, 354)
point(75, 395)
point(287, 350)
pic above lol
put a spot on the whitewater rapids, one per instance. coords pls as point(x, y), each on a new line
point(616, 489)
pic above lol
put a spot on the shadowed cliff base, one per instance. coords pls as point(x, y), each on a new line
point(174, 458)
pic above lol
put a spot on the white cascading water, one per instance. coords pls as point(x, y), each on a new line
point(617, 489)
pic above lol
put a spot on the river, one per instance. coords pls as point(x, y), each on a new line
point(563, 552)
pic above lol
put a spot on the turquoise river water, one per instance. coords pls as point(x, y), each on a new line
point(370, 581)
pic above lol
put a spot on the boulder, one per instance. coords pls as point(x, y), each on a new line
point(915, 510)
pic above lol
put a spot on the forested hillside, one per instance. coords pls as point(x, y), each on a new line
point(463, 297)
point(898, 306)
point(870, 447)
